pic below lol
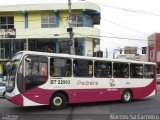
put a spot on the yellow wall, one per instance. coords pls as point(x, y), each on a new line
point(34, 29)
point(19, 21)
point(18, 18)
point(34, 20)
point(63, 18)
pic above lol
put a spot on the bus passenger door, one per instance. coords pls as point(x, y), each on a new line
point(36, 71)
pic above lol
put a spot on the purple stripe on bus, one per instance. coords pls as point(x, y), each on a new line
point(89, 95)
point(18, 100)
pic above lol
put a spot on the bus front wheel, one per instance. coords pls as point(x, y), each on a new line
point(126, 96)
point(58, 101)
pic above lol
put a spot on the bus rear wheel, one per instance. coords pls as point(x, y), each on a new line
point(126, 96)
point(58, 101)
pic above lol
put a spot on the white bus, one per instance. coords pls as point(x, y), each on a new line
point(37, 78)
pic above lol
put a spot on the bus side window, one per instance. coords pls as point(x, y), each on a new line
point(43, 71)
point(83, 68)
point(68, 68)
point(60, 67)
point(75, 69)
point(103, 69)
point(37, 74)
point(148, 71)
point(136, 70)
point(121, 70)
point(52, 66)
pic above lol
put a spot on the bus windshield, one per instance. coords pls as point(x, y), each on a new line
point(11, 72)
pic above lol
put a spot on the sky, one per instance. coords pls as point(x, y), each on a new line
point(134, 20)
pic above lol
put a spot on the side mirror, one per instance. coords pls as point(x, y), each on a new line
point(8, 66)
point(28, 60)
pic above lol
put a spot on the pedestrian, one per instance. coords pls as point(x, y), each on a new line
point(50, 50)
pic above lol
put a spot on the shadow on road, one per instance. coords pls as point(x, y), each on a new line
point(46, 109)
point(108, 103)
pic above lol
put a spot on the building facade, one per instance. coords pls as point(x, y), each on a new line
point(132, 53)
point(43, 27)
point(154, 49)
point(136, 57)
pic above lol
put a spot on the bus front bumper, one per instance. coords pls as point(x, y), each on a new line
point(17, 99)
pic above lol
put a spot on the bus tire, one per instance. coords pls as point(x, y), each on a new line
point(126, 96)
point(58, 101)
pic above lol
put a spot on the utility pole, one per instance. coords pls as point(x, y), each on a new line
point(70, 30)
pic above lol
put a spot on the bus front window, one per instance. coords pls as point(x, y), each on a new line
point(11, 72)
point(35, 71)
point(11, 75)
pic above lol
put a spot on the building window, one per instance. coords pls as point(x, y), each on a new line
point(158, 67)
point(152, 54)
point(83, 68)
point(136, 70)
point(6, 22)
point(64, 48)
point(48, 21)
point(79, 46)
point(88, 21)
point(77, 20)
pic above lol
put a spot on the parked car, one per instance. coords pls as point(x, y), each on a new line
point(158, 78)
point(2, 88)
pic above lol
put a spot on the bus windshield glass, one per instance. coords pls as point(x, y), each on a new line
point(17, 57)
point(11, 72)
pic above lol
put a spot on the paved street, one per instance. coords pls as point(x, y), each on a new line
point(86, 111)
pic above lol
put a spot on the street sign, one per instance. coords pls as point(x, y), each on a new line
point(130, 50)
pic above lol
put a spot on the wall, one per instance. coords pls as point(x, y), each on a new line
point(18, 18)
point(34, 20)
point(63, 17)
point(88, 47)
point(34, 29)
point(151, 47)
point(157, 42)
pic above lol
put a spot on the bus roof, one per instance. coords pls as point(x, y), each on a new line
point(82, 57)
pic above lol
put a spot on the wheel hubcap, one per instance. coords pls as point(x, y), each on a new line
point(127, 96)
point(57, 101)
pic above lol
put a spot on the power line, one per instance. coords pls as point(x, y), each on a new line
point(119, 34)
point(136, 39)
point(32, 20)
point(104, 36)
point(122, 38)
point(131, 10)
point(116, 35)
point(109, 33)
point(124, 26)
